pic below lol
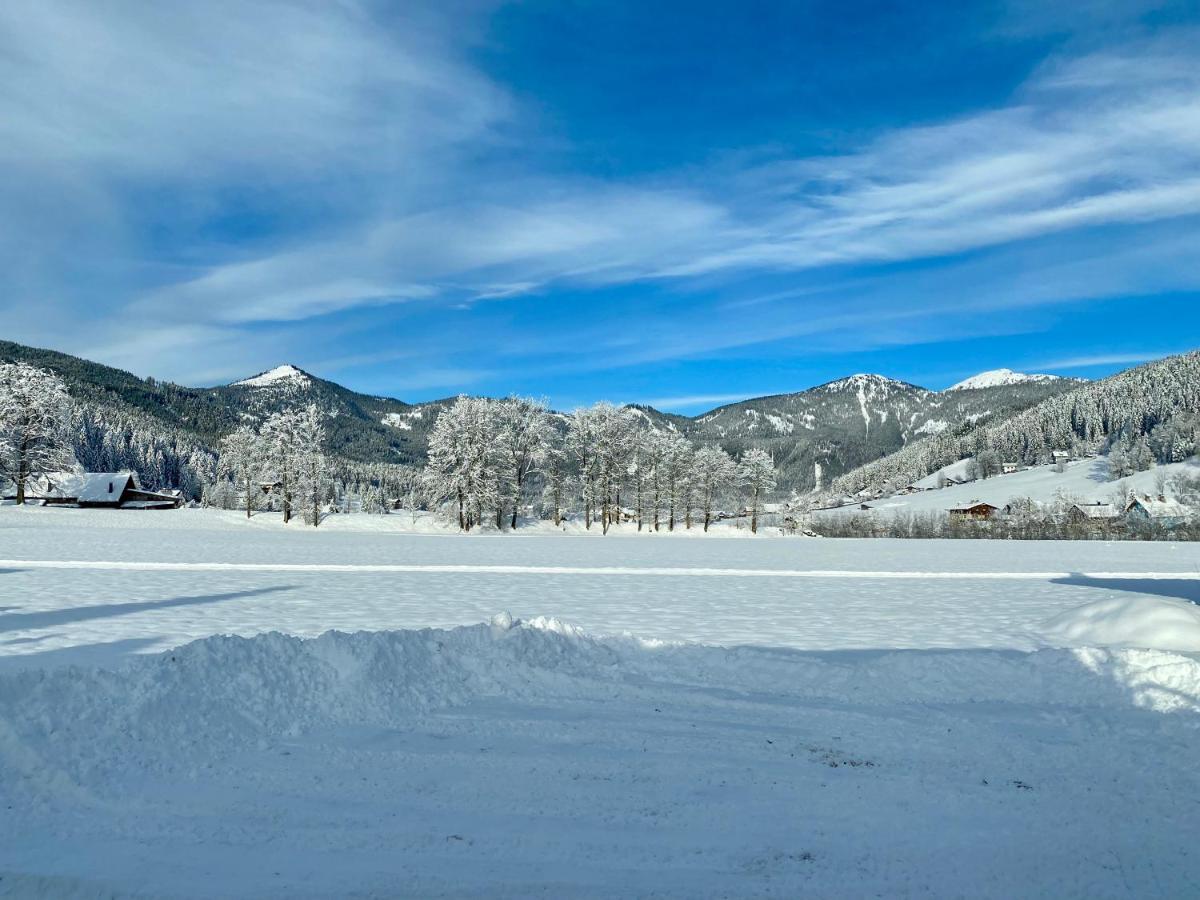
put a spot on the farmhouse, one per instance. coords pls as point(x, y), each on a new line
point(977, 510)
point(117, 490)
point(1095, 514)
point(1148, 510)
point(1009, 468)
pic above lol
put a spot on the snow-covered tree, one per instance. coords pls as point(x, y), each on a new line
point(242, 460)
point(463, 460)
point(715, 474)
point(35, 419)
point(556, 477)
point(677, 474)
point(280, 447)
point(757, 474)
point(523, 437)
point(311, 466)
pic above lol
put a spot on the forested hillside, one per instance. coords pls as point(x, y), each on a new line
point(1151, 412)
point(847, 423)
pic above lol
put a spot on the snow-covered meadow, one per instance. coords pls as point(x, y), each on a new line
point(789, 716)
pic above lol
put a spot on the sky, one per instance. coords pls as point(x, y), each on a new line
point(674, 203)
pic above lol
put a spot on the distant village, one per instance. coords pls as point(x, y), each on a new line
point(1128, 513)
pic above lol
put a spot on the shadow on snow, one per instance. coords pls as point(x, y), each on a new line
point(51, 618)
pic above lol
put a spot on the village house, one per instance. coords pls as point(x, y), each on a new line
point(1009, 468)
point(976, 511)
point(1147, 510)
point(104, 490)
point(1097, 515)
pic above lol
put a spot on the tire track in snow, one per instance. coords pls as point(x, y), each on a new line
point(665, 571)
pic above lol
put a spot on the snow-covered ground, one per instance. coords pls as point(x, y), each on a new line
point(1084, 480)
point(880, 718)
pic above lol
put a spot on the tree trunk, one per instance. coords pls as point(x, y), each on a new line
point(287, 500)
point(517, 499)
point(754, 514)
point(22, 469)
point(247, 498)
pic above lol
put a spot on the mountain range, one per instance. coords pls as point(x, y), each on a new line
point(838, 426)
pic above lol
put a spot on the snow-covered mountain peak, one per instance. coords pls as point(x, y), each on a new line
point(996, 378)
point(864, 381)
point(285, 374)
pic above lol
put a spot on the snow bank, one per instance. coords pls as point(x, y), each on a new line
point(1127, 622)
point(63, 729)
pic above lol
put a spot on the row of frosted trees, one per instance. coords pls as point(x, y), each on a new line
point(283, 455)
point(489, 458)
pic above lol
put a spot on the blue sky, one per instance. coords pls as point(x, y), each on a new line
point(675, 203)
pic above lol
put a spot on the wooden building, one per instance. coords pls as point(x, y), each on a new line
point(1159, 511)
point(119, 490)
point(977, 511)
point(1096, 515)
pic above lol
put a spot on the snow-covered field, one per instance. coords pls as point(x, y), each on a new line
point(865, 718)
point(1083, 481)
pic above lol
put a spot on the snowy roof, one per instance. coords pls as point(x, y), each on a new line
point(100, 487)
point(1097, 510)
point(1157, 508)
point(286, 374)
point(997, 377)
point(967, 507)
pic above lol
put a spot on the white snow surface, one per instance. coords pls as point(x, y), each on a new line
point(888, 718)
point(284, 373)
point(1084, 480)
point(1128, 622)
point(996, 378)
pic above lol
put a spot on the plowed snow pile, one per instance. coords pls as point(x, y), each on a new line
point(516, 759)
point(1128, 622)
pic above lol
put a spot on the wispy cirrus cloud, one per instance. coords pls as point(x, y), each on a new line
point(211, 172)
point(1109, 359)
point(1105, 139)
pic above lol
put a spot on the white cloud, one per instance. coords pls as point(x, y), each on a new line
point(383, 163)
point(1110, 359)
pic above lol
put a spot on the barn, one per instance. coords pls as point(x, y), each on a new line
point(119, 490)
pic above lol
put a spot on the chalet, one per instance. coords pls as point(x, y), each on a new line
point(1094, 514)
point(1060, 455)
point(119, 490)
point(1009, 468)
point(1146, 510)
point(977, 511)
